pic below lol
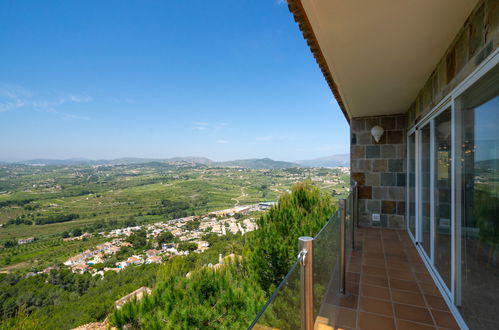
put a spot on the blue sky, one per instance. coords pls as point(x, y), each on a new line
point(225, 79)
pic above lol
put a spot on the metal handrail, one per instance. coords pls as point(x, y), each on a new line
point(274, 294)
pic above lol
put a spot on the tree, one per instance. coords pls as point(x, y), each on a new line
point(138, 239)
point(273, 248)
point(187, 246)
point(76, 232)
point(165, 237)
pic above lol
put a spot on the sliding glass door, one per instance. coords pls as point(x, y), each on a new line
point(411, 187)
point(453, 197)
point(479, 209)
point(443, 190)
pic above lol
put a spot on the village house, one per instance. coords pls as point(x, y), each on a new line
point(25, 240)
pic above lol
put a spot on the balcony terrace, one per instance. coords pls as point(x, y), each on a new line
point(387, 287)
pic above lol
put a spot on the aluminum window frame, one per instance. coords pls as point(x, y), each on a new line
point(452, 295)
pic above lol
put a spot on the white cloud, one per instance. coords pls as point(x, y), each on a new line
point(204, 126)
point(222, 141)
point(14, 97)
point(281, 2)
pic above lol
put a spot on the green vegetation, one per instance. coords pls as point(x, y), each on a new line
point(62, 300)
point(54, 202)
point(232, 295)
point(114, 196)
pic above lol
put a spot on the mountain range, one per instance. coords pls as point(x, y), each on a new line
point(329, 161)
point(255, 163)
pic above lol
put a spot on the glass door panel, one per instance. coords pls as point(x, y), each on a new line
point(425, 194)
point(480, 203)
point(412, 184)
point(442, 187)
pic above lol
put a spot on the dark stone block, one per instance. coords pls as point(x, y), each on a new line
point(360, 178)
point(388, 151)
point(450, 61)
point(388, 179)
point(353, 139)
point(395, 137)
point(373, 206)
point(379, 165)
point(396, 165)
point(383, 220)
point(358, 125)
point(371, 122)
point(401, 208)
point(476, 39)
point(373, 152)
point(388, 207)
point(364, 138)
point(357, 152)
point(402, 122)
point(365, 192)
point(388, 123)
point(401, 178)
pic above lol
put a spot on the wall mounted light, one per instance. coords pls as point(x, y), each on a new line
point(377, 132)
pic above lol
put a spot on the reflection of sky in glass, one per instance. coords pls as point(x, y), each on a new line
point(487, 130)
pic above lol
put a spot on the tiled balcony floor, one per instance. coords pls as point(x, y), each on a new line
point(388, 287)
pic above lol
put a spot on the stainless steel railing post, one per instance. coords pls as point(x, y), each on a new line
point(342, 204)
point(353, 212)
point(305, 246)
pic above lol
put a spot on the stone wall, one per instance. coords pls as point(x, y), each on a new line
point(380, 169)
point(476, 40)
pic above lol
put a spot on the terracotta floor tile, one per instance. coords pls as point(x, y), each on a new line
point(376, 306)
point(404, 285)
point(386, 276)
point(429, 288)
point(375, 292)
point(376, 255)
point(368, 321)
point(408, 298)
point(424, 277)
point(401, 274)
point(419, 268)
point(352, 288)
point(397, 258)
point(355, 268)
point(339, 317)
point(375, 280)
point(444, 319)
point(353, 277)
point(373, 262)
point(375, 271)
point(412, 313)
point(347, 301)
point(408, 325)
point(436, 302)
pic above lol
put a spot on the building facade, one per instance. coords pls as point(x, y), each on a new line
point(427, 73)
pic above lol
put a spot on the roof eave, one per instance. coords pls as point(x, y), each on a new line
point(296, 8)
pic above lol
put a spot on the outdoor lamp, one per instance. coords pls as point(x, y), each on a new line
point(377, 132)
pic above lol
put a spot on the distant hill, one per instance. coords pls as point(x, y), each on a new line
point(257, 163)
point(262, 163)
point(118, 161)
point(329, 161)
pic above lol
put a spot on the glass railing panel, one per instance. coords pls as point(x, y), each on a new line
point(326, 258)
point(349, 227)
point(283, 309)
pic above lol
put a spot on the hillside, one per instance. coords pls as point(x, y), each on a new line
point(258, 163)
point(328, 161)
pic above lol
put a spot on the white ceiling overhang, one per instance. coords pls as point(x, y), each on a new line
point(381, 52)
